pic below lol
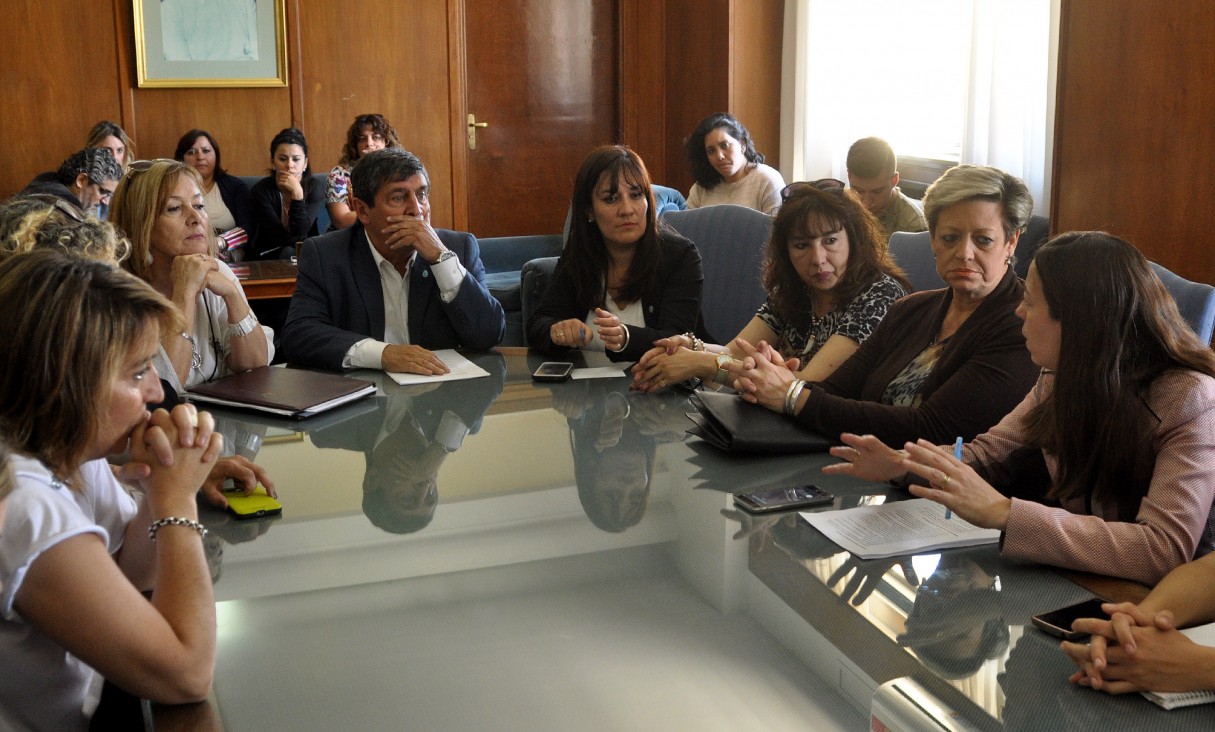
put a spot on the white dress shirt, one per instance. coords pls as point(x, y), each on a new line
point(368, 353)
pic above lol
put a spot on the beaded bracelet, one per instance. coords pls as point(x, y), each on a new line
point(697, 344)
point(176, 521)
point(792, 395)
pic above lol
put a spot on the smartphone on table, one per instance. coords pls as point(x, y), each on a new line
point(782, 499)
point(553, 371)
point(1059, 622)
point(255, 505)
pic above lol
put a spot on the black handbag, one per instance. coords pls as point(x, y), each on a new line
point(731, 424)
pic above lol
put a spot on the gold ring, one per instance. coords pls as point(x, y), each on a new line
point(945, 483)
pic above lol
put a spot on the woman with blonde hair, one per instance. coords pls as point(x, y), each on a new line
point(159, 205)
point(76, 549)
point(108, 135)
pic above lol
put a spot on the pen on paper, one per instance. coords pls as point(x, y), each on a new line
point(957, 453)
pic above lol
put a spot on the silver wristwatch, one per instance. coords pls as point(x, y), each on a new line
point(446, 255)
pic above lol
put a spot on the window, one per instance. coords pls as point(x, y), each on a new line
point(949, 80)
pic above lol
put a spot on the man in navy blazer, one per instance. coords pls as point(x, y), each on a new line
point(388, 291)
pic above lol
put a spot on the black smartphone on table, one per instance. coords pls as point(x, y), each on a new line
point(1059, 622)
point(782, 499)
point(553, 371)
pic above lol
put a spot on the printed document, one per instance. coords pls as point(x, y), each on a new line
point(903, 527)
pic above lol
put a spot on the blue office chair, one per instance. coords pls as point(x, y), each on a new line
point(1195, 300)
point(731, 242)
point(535, 278)
point(912, 251)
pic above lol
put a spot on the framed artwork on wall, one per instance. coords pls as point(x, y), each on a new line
point(210, 43)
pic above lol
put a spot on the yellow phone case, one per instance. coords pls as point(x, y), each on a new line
point(255, 505)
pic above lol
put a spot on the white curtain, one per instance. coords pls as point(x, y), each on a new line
point(964, 80)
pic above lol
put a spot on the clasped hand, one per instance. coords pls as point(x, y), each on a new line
point(191, 273)
point(1132, 651)
point(178, 449)
point(670, 361)
point(763, 376)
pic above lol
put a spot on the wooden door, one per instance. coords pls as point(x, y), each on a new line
point(540, 74)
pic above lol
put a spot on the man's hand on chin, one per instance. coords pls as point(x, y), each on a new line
point(414, 233)
point(412, 360)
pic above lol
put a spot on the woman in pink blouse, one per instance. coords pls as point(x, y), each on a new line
point(1108, 465)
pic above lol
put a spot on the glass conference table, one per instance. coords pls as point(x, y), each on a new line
point(500, 554)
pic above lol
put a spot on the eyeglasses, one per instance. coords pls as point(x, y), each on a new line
point(822, 184)
point(104, 192)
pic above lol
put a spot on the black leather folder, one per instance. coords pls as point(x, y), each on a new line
point(295, 393)
point(733, 425)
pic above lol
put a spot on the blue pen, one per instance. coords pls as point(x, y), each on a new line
point(957, 453)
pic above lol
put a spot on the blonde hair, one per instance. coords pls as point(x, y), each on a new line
point(49, 227)
point(73, 320)
point(137, 203)
point(106, 128)
point(968, 182)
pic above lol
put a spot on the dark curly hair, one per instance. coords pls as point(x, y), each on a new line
point(378, 125)
point(811, 212)
point(704, 173)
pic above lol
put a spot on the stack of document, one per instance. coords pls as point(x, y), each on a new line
point(903, 527)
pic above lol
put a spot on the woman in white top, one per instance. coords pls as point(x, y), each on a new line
point(728, 168)
point(159, 205)
point(76, 549)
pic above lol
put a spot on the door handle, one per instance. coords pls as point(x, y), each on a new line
point(473, 124)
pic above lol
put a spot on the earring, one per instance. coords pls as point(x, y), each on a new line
point(148, 258)
point(1008, 261)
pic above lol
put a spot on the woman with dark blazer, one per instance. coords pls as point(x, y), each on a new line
point(943, 363)
point(287, 202)
point(624, 280)
point(229, 206)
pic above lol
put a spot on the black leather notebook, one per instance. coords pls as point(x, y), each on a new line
point(290, 392)
point(733, 425)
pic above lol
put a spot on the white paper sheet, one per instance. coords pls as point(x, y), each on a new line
point(902, 527)
point(461, 368)
point(598, 372)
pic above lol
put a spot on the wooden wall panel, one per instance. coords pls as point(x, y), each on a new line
point(57, 65)
point(698, 72)
point(1134, 141)
point(642, 102)
point(393, 60)
point(678, 61)
point(243, 121)
point(755, 68)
